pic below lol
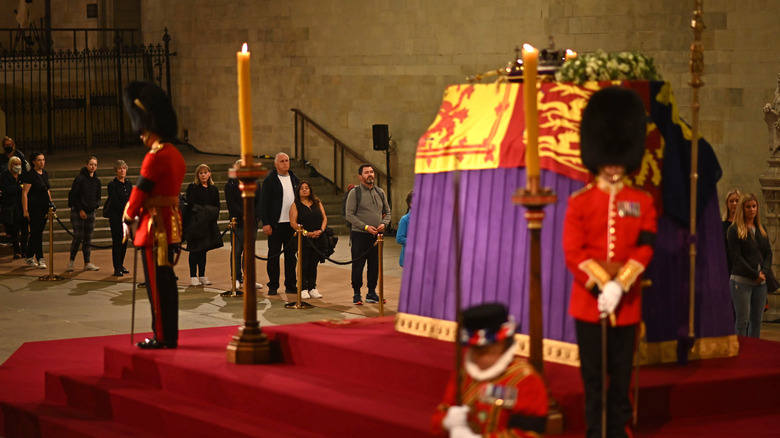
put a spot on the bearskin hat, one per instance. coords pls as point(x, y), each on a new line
point(486, 324)
point(150, 108)
point(613, 130)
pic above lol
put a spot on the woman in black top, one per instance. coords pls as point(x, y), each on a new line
point(13, 220)
point(84, 200)
point(118, 194)
point(732, 199)
point(307, 210)
point(751, 265)
point(200, 219)
point(36, 199)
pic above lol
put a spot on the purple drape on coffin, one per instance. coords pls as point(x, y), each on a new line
point(495, 258)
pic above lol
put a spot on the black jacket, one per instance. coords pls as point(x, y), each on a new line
point(235, 203)
point(119, 194)
point(11, 209)
point(85, 192)
point(271, 197)
point(746, 254)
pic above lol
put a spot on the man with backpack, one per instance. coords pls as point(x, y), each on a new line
point(368, 214)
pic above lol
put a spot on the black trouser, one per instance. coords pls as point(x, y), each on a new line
point(309, 264)
point(14, 230)
point(163, 296)
point(282, 236)
point(620, 353)
point(35, 243)
point(362, 242)
point(82, 234)
point(118, 248)
point(238, 251)
point(197, 263)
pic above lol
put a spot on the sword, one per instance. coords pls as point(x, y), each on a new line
point(604, 376)
point(131, 232)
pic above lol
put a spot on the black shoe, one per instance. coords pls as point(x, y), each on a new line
point(117, 274)
point(288, 291)
point(124, 270)
point(356, 300)
point(373, 298)
point(226, 294)
point(272, 292)
point(142, 284)
point(151, 344)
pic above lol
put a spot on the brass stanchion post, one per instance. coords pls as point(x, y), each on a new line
point(233, 271)
point(298, 304)
point(380, 267)
point(51, 276)
point(249, 345)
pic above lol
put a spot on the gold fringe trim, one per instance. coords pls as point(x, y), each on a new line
point(566, 353)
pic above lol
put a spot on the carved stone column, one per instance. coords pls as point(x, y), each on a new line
point(770, 187)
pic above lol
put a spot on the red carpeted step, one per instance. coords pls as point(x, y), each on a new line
point(46, 420)
point(285, 392)
point(163, 412)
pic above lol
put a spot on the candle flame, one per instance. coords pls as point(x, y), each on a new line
point(244, 48)
point(528, 48)
point(570, 52)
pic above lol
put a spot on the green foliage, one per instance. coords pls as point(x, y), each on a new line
point(602, 66)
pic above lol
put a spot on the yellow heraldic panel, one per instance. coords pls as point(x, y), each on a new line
point(468, 129)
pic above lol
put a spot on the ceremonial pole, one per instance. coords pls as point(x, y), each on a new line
point(249, 345)
point(534, 199)
point(458, 290)
point(697, 69)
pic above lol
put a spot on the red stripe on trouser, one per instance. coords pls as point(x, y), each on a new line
point(154, 292)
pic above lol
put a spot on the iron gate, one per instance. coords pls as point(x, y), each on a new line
point(69, 99)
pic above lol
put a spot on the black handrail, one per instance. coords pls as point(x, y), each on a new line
point(339, 150)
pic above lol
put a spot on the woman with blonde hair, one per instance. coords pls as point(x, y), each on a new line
point(732, 199)
point(200, 223)
point(751, 266)
point(11, 216)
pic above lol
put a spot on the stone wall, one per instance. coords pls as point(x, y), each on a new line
point(351, 64)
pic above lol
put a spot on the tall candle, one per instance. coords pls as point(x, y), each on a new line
point(244, 101)
point(530, 63)
point(570, 54)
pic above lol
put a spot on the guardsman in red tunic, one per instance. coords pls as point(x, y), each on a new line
point(502, 394)
point(155, 202)
point(608, 237)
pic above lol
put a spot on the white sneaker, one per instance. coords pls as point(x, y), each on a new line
point(70, 266)
point(194, 281)
point(205, 281)
point(314, 293)
point(30, 261)
point(91, 267)
point(41, 263)
point(239, 285)
point(305, 295)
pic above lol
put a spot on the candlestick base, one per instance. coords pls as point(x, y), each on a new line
point(249, 346)
point(51, 278)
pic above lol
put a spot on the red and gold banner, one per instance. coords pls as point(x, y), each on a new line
point(482, 126)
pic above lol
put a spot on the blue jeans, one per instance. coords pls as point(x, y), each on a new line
point(749, 301)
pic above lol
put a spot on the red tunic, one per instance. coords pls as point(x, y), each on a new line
point(615, 231)
point(157, 192)
point(518, 391)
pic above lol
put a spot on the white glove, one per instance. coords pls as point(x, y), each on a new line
point(456, 416)
point(463, 432)
point(609, 297)
point(125, 231)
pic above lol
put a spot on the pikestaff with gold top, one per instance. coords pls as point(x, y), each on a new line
point(155, 201)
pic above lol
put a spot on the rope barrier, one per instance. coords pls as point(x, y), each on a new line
point(326, 257)
point(91, 245)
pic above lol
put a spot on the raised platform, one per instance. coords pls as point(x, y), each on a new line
point(358, 378)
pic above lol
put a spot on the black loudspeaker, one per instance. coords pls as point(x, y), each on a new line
point(381, 137)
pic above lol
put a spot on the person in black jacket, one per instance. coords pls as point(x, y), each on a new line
point(84, 200)
point(36, 201)
point(119, 190)
point(9, 150)
point(751, 266)
point(235, 205)
point(200, 222)
point(277, 196)
point(14, 222)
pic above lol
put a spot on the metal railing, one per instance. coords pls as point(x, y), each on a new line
point(342, 170)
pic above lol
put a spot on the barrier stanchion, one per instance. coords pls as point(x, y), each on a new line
point(380, 267)
point(51, 276)
point(233, 272)
point(298, 304)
